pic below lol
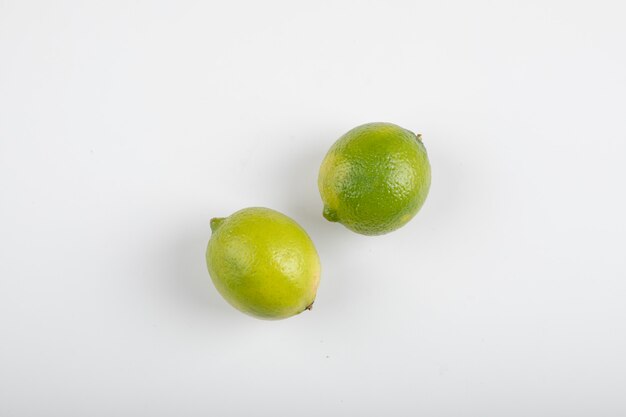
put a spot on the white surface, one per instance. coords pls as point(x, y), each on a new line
point(126, 126)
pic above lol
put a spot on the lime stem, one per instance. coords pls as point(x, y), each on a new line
point(330, 214)
point(216, 222)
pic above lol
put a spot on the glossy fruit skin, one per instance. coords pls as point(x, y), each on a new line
point(375, 178)
point(263, 263)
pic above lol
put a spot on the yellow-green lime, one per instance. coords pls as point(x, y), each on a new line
point(263, 263)
point(375, 178)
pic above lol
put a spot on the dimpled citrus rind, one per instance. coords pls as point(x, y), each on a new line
point(263, 263)
point(375, 178)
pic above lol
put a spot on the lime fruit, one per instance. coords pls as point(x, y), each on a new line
point(263, 263)
point(375, 178)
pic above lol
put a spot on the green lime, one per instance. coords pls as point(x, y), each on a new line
point(375, 178)
point(263, 263)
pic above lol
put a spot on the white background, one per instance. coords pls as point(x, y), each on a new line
point(126, 126)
